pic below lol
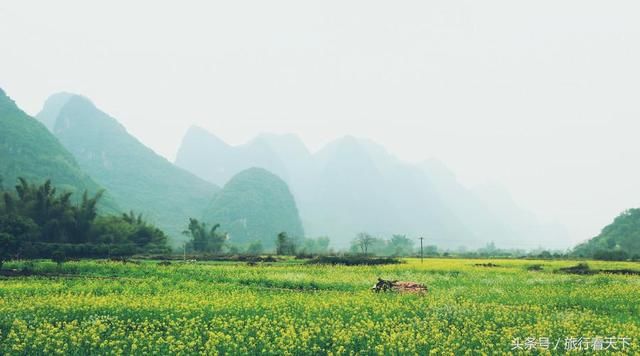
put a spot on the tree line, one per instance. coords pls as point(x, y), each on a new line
point(203, 239)
point(38, 221)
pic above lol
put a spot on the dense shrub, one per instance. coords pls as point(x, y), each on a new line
point(43, 221)
point(354, 260)
point(615, 255)
point(580, 268)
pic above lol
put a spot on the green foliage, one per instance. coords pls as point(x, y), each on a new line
point(617, 241)
point(397, 245)
point(430, 250)
point(255, 248)
point(255, 206)
point(57, 217)
point(8, 247)
point(44, 221)
point(366, 244)
point(317, 246)
point(129, 230)
point(21, 227)
point(610, 255)
point(59, 257)
point(203, 239)
point(285, 245)
point(400, 245)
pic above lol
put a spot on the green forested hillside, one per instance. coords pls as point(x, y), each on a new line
point(255, 205)
point(29, 150)
point(137, 177)
point(618, 240)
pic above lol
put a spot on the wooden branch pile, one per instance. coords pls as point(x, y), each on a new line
point(399, 286)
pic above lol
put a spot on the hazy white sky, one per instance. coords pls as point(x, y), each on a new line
point(541, 96)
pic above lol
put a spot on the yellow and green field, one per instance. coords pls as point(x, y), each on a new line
point(99, 307)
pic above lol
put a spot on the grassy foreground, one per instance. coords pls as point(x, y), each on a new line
point(96, 307)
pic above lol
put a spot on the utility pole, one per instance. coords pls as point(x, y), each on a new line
point(421, 255)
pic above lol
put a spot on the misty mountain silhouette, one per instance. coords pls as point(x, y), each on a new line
point(30, 151)
point(353, 185)
point(212, 159)
point(138, 178)
point(349, 186)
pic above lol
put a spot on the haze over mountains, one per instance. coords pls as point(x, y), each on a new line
point(137, 177)
point(354, 185)
point(29, 151)
point(349, 186)
point(222, 160)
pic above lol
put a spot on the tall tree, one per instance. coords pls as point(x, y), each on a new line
point(84, 215)
point(400, 245)
point(364, 240)
point(285, 245)
point(204, 239)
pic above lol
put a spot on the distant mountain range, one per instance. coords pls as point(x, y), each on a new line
point(351, 185)
point(138, 178)
point(29, 151)
point(212, 159)
point(354, 185)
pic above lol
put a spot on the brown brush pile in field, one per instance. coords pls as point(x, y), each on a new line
point(399, 286)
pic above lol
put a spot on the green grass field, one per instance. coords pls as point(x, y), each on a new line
point(92, 307)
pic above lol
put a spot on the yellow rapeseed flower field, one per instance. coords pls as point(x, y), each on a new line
point(98, 307)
